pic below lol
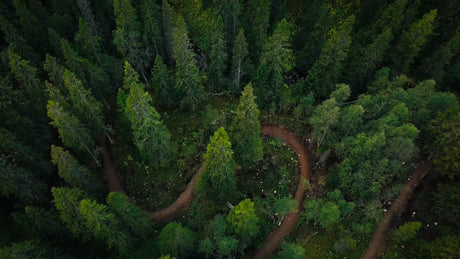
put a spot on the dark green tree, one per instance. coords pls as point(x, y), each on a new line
point(152, 37)
point(188, 81)
point(256, 25)
point(218, 181)
point(165, 94)
point(245, 131)
point(217, 58)
point(168, 15)
point(239, 60)
point(75, 174)
point(176, 240)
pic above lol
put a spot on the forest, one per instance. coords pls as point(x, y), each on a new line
point(230, 129)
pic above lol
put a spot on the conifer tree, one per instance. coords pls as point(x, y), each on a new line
point(55, 72)
point(176, 240)
point(188, 81)
point(412, 40)
point(276, 60)
point(16, 41)
point(133, 218)
point(89, 19)
point(89, 42)
point(321, 78)
point(104, 225)
point(67, 202)
point(88, 110)
point(245, 131)
point(165, 94)
point(152, 33)
point(256, 26)
point(230, 12)
point(218, 181)
point(218, 58)
point(151, 137)
point(244, 220)
point(75, 174)
point(239, 60)
point(168, 29)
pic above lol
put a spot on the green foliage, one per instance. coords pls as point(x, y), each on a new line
point(165, 93)
point(176, 240)
point(292, 251)
point(152, 37)
point(132, 217)
point(239, 60)
point(104, 225)
point(322, 77)
point(282, 207)
point(412, 40)
point(27, 249)
point(217, 58)
point(256, 25)
point(244, 220)
point(75, 174)
point(276, 60)
point(67, 202)
point(188, 82)
point(218, 181)
point(245, 131)
point(406, 231)
point(150, 135)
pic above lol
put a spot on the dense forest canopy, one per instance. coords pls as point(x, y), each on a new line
point(112, 108)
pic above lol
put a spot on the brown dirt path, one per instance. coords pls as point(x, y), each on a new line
point(276, 237)
point(378, 243)
point(109, 173)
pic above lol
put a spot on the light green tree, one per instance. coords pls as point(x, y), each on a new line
point(244, 220)
point(176, 240)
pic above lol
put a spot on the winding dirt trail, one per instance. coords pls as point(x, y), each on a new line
point(377, 246)
point(183, 202)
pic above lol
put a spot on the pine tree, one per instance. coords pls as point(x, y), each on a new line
point(67, 202)
point(75, 174)
point(276, 60)
point(88, 41)
point(218, 181)
point(322, 77)
point(133, 218)
point(218, 58)
point(176, 240)
point(88, 110)
point(165, 94)
point(256, 26)
point(188, 81)
point(239, 60)
point(104, 225)
point(152, 33)
point(412, 40)
point(86, 10)
point(245, 131)
point(168, 15)
point(71, 131)
point(151, 137)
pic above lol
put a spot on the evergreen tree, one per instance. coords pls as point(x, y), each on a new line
point(55, 73)
point(256, 26)
point(245, 131)
point(104, 225)
point(88, 110)
point(89, 42)
point(218, 181)
point(239, 60)
point(168, 15)
point(87, 12)
point(321, 78)
point(176, 240)
point(71, 131)
point(75, 174)
point(133, 218)
point(152, 33)
point(16, 41)
point(412, 40)
point(230, 12)
point(67, 202)
point(165, 94)
point(275, 62)
point(244, 220)
point(188, 81)
point(217, 58)
point(151, 137)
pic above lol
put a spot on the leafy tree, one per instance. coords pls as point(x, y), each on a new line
point(176, 240)
point(75, 174)
point(132, 217)
point(244, 220)
point(151, 136)
point(412, 40)
point(406, 231)
point(322, 77)
point(67, 202)
point(282, 207)
point(165, 93)
point(104, 224)
point(276, 60)
point(239, 60)
point(218, 181)
point(292, 251)
point(188, 82)
point(245, 131)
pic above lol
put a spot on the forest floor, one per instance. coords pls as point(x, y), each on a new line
point(377, 246)
point(182, 203)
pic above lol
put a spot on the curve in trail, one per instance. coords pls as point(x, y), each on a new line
point(378, 243)
point(182, 203)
